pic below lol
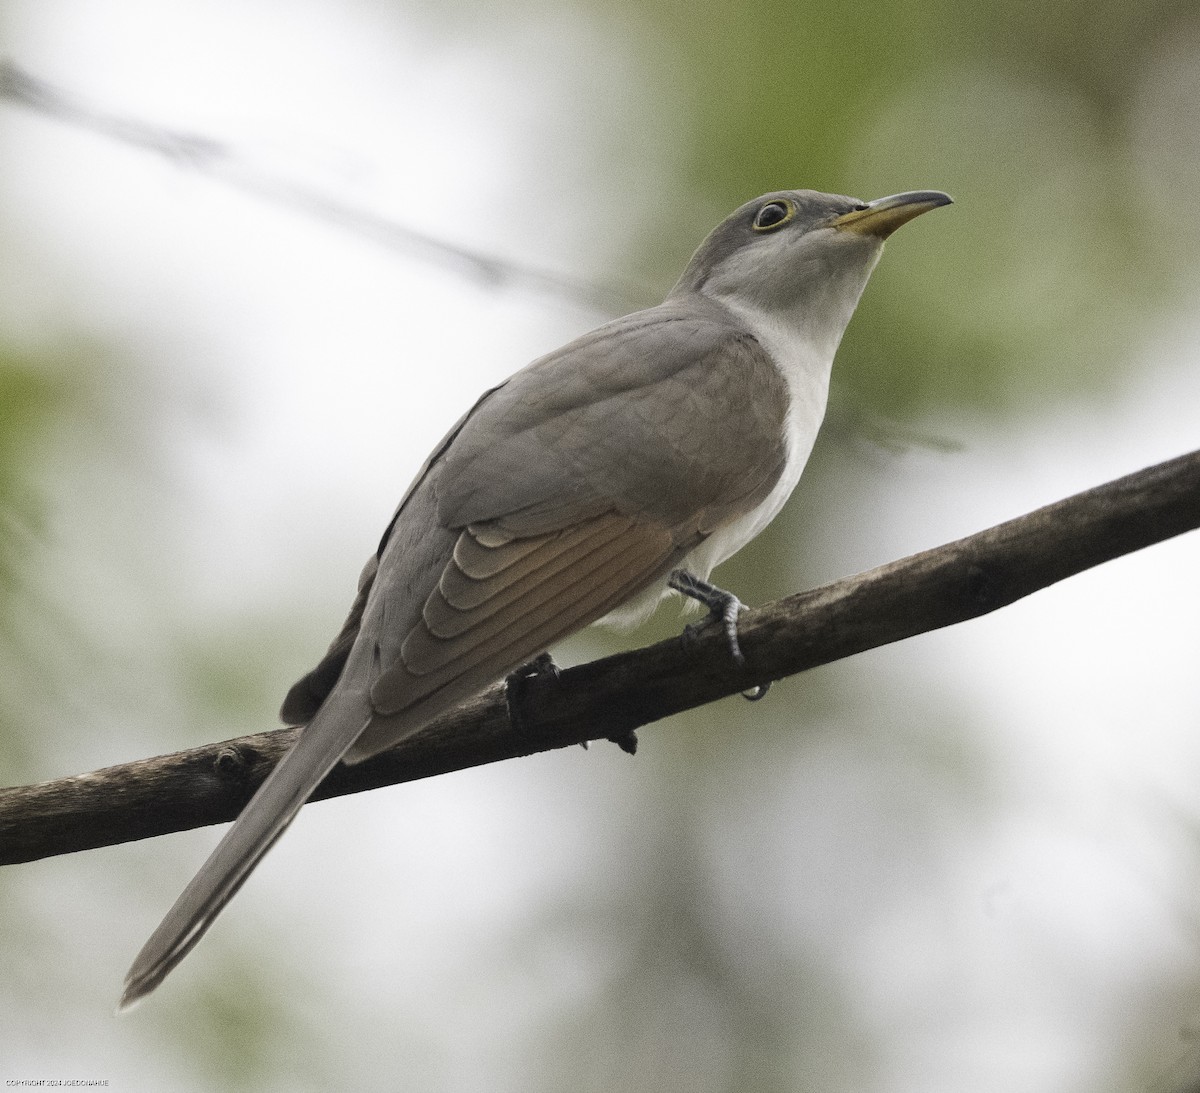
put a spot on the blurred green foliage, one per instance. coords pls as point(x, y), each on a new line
point(32, 400)
point(36, 395)
point(1021, 111)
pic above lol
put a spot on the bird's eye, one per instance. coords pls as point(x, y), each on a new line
point(773, 214)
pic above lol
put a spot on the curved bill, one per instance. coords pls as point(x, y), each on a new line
point(882, 217)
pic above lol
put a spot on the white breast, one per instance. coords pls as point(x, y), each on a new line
point(806, 368)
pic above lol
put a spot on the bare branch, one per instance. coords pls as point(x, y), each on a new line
point(609, 698)
point(219, 160)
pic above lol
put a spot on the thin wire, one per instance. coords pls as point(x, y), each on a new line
point(216, 159)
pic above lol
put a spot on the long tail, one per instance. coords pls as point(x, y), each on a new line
point(320, 745)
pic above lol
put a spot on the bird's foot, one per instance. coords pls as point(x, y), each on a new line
point(541, 667)
point(723, 608)
point(627, 741)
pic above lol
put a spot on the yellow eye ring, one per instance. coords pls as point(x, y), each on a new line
point(773, 214)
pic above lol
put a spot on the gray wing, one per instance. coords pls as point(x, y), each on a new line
point(669, 417)
point(307, 693)
point(574, 487)
point(664, 414)
point(561, 495)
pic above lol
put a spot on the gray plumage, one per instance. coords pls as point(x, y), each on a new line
point(665, 438)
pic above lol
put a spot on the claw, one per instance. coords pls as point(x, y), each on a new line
point(723, 607)
point(626, 741)
point(541, 667)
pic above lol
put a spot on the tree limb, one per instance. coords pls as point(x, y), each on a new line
point(609, 698)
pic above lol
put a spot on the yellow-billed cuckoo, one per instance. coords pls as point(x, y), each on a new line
point(637, 456)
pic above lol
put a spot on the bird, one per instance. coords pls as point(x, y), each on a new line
point(586, 487)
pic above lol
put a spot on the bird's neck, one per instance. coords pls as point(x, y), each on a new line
point(801, 336)
point(801, 322)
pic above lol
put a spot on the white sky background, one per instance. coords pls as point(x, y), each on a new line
point(305, 374)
